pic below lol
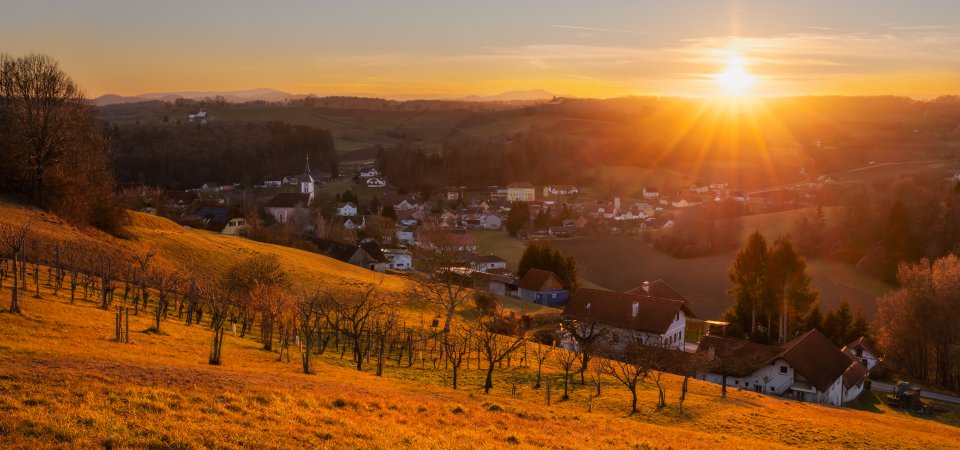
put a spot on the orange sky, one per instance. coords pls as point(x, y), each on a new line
point(435, 49)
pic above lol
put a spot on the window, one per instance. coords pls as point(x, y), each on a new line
point(737, 382)
point(773, 389)
point(783, 370)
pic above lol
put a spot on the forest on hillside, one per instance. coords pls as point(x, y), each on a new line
point(187, 155)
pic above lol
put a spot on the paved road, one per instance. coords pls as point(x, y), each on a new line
point(885, 387)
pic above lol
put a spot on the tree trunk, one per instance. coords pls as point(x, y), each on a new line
point(633, 402)
point(489, 383)
point(14, 298)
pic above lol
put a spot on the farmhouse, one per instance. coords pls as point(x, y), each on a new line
point(521, 192)
point(651, 193)
point(543, 288)
point(860, 351)
point(220, 220)
point(808, 368)
point(627, 317)
point(351, 254)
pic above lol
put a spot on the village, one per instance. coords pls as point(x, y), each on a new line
point(381, 229)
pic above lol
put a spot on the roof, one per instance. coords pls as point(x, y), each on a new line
point(540, 280)
point(289, 200)
point(491, 259)
point(854, 374)
point(811, 355)
point(816, 358)
point(742, 357)
point(655, 315)
point(861, 343)
point(340, 251)
point(373, 249)
point(520, 185)
point(658, 288)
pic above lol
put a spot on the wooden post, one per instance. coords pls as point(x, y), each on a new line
point(548, 392)
point(127, 325)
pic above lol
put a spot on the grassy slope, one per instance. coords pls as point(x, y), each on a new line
point(62, 382)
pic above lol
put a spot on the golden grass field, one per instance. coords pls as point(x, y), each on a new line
point(64, 383)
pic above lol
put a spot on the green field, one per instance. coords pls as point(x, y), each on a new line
point(496, 242)
point(623, 262)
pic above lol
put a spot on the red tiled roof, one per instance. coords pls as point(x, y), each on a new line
point(616, 309)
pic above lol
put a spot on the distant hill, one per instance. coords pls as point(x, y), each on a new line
point(509, 96)
point(260, 94)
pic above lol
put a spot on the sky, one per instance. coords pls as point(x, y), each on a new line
point(452, 48)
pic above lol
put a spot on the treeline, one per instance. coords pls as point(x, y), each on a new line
point(180, 156)
point(916, 326)
point(52, 149)
point(482, 162)
point(883, 224)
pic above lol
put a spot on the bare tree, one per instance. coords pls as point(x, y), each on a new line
point(587, 336)
point(309, 311)
point(438, 252)
point(497, 338)
point(353, 311)
point(456, 347)
point(13, 242)
point(567, 359)
point(218, 297)
point(542, 349)
point(630, 367)
point(164, 281)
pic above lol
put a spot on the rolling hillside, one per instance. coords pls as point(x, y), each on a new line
point(158, 390)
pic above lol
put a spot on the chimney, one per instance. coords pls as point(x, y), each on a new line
point(646, 287)
point(636, 309)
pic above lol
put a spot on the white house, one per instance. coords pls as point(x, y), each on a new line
point(369, 172)
point(651, 193)
point(699, 188)
point(521, 192)
point(808, 368)
point(405, 235)
point(490, 221)
point(398, 259)
point(347, 209)
point(376, 182)
point(863, 352)
point(489, 262)
point(637, 317)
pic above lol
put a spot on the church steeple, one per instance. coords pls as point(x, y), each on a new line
point(306, 181)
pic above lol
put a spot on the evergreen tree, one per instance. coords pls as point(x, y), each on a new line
point(518, 217)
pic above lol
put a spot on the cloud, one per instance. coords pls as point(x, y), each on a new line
point(610, 30)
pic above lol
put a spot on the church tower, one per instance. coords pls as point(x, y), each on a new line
point(306, 181)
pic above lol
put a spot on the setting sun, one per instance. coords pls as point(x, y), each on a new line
point(735, 80)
